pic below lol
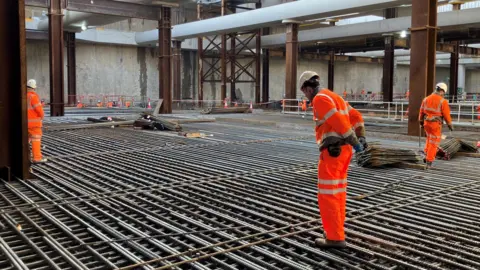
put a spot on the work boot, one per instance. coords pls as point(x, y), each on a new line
point(429, 165)
point(43, 160)
point(325, 243)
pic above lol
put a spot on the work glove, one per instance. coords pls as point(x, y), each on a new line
point(358, 148)
point(450, 127)
point(363, 141)
point(334, 150)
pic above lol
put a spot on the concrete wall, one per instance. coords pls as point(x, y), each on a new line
point(472, 81)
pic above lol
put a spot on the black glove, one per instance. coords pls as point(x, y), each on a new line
point(334, 150)
point(363, 141)
point(450, 126)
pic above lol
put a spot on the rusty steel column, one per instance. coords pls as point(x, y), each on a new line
point(14, 151)
point(164, 54)
point(331, 70)
point(55, 35)
point(200, 61)
point(177, 63)
point(223, 59)
point(454, 61)
point(71, 68)
point(233, 57)
point(422, 58)
point(388, 65)
point(265, 70)
point(291, 59)
point(258, 65)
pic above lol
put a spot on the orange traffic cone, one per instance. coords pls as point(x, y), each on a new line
point(149, 105)
point(251, 105)
point(225, 104)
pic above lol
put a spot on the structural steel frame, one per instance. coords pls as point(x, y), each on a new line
point(214, 59)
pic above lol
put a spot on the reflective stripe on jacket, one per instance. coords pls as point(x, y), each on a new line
point(34, 110)
point(356, 120)
point(331, 116)
point(435, 108)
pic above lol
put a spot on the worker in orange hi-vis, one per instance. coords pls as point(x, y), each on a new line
point(407, 94)
point(345, 94)
point(335, 137)
point(35, 117)
point(433, 111)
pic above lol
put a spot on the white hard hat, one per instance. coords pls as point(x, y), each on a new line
point(32, 84)
point(442, 86)
point(307, 75)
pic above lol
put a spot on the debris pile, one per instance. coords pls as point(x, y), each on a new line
point(379, 156)
point(147, 121)
point(450, 147)
point(215, 110)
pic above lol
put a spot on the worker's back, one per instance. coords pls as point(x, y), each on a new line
point(325, 104)
point(435, 107)
point(35, 110)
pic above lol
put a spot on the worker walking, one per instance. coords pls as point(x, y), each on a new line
point(35, 117)
point(433, 111)
point(335, 137)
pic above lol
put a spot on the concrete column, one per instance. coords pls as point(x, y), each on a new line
point(55, 36)
point(422, 58)
point(291, 58)
point(14, 150)
point(176, 76)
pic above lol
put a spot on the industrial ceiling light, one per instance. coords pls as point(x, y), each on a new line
point(403, 34)
point(84, 27)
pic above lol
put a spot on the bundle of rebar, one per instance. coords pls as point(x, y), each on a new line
point(215, 110)
point(380, 156)
point(450, 147)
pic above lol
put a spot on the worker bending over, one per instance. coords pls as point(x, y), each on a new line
point(335, 137)
point(433, 111)
point(35, 117)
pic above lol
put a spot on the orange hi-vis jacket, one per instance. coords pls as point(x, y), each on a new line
point(332, 118)
point(356, 120)
point(35, 110)
point(434, 109)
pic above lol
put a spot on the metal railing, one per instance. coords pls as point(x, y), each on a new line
point(461, 112)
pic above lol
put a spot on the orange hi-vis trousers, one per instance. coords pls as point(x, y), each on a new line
point(332, 191)
point(35, 136)
point(434, 137)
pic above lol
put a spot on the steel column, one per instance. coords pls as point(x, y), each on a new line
point(258, 65)
point(177, 78)
point(388, 67)
point(291, 59)
point(265, 69)
point(55, 34)
point(454, 58)
point(165, 67)
point(233, 72)
point(200, 61)
point(331, 70)
point(14, 152)
point(71, 67)
point(422, 58)
point(223, 59)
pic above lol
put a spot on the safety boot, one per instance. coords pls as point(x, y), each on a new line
point(429, 165)
point(325, 243)
point(43, 160)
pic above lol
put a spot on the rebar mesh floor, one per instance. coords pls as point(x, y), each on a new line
point(119, 198)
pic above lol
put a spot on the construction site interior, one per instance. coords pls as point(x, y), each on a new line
point(176, 134)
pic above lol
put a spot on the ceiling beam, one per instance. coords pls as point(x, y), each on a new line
point(37, 3)
point(326, 57)
point(442, 47)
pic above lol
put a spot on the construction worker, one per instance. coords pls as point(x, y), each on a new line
point(345, 94)
point(35, 117)
point(335, 138)
point(433, 111)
